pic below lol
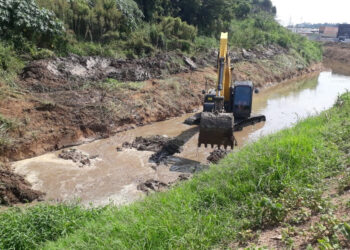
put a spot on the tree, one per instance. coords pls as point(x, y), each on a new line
point(27, 19)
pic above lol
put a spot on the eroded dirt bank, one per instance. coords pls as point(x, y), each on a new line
point(14, 188)
point(337, 57)
point(66, 101)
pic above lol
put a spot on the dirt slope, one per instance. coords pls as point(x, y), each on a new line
point(337, 57)
point(14, 188)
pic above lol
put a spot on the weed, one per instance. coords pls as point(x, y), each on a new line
point(344, 184)
point(112, 84)
point(40, 223)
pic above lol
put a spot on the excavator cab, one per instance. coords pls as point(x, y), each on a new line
point(242, 100)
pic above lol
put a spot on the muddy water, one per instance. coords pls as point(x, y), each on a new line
point(114, 176)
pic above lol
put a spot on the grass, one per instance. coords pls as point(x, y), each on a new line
point(6, 125)
point(10, 64)
point(254, 188)
point(47, 222)
point(115, 85)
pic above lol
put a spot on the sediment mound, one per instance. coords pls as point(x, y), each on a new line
point(217, 155)
point(162, 146)
point(152, 186)
point(15, 189)
point(152, 143)
point(170, 148)
point(77, 156)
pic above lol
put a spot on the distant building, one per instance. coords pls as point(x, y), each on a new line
point(344, 31)
point(328, 31)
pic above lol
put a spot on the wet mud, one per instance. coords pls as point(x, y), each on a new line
point(83, 159)
point(15, 189)
point(217, 155)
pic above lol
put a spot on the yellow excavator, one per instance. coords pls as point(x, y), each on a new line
point(228, 107)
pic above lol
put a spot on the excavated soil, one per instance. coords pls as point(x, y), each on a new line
point(15, 189)
point(163, 147)
point(152, 143)
point(217, 155)
point(83, 159)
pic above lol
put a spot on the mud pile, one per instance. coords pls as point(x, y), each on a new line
point(152, 186)
point(217, 155)
point(84, 160)
point(152, 143)
point(15, 189)
point(172, 147)
point(162, 146)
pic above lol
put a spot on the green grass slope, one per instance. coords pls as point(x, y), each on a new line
point(253, 189)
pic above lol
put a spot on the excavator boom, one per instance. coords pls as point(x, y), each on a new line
point(216, 125)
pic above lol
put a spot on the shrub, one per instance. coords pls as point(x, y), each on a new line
point(24, 17)
point(10, 64)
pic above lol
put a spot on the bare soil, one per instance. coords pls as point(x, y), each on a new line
point(15, 189)
point(217, 155)
point(337, 57)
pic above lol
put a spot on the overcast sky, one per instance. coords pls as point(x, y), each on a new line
point(313, 11)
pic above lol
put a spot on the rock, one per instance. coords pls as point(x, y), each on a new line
point(190, 63)
point(246, 54)
point(193, 120)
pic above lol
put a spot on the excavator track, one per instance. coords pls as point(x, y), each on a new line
point(216, 129)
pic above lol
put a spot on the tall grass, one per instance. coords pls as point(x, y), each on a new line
point(250, 189)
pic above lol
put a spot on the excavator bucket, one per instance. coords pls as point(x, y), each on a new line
point(216, 130)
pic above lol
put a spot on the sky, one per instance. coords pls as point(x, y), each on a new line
point(312, 11)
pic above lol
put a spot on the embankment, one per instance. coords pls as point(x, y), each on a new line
point(337, 57)
point(65, 101)
point(280, 179)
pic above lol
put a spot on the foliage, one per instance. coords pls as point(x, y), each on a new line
point(10, 64)
point(264, 30)
point(25, 18)
point(91, 20)
point(6, 125)
point(138, 28)
point(250, 189)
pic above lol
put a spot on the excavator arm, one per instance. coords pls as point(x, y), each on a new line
point(224, 69)
point(216, 126)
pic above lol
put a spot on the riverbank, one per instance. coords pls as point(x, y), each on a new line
point(68, 101)
point(337, 57)
point(279, 180)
